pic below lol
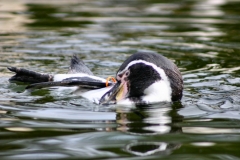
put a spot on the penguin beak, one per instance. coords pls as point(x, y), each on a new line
point(117, 93)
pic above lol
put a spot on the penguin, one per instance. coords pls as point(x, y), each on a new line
point(146, 78)
point(143, 78)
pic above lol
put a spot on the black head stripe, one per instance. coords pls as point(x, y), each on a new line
point(157, 59)
point(141, 76)
point(170, 69)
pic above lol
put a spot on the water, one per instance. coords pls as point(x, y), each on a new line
point(202, 37)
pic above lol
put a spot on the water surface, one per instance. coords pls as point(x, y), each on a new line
point(201, 37)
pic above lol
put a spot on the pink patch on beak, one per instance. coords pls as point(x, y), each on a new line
point(123, 88)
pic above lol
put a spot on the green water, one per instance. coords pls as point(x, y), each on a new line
point(202, 37)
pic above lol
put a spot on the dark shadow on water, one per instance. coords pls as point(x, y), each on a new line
point(44, 16)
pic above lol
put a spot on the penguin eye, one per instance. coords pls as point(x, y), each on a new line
point(127, 73)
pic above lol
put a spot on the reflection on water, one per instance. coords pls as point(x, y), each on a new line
point(149, 148)
point(149, 120)
point(201, 37)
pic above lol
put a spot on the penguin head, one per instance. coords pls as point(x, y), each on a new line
point(145, 78)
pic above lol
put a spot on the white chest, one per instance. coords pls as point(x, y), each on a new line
point(158, 92)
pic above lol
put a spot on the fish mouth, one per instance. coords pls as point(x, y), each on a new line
point(117, 93)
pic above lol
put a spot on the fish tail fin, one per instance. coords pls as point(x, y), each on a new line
point(24, 75)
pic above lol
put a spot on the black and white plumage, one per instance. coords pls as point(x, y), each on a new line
point(146, 78)
point(143, 78)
